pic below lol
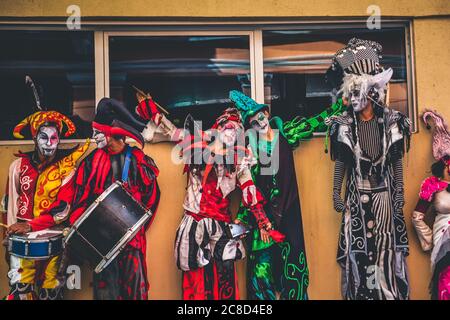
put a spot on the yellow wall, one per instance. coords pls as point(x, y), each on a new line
point(314, 169)
point(222, 8)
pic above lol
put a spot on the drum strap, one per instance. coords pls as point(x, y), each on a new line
point(126, 165)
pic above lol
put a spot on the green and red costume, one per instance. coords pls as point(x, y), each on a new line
point(279, 267)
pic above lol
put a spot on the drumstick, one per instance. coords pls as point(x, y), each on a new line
point(162, 109)
point(3, 225)
point(148, 96)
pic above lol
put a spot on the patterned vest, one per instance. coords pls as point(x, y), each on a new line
point(38, 190)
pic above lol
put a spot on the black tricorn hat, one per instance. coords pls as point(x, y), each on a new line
point(113, 117)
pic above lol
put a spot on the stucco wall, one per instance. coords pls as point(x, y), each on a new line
point(314, 169)
point(222, 8)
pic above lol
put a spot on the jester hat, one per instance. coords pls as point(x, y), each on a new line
point(229, 114)
point(113, 119)
point(246, 105)
point(37, 119)
point(198, 139)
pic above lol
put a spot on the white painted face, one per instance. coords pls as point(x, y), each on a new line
point(228, 133)
point(100, 138)
point(260, 122)
point(47, 141)
point(358, 99)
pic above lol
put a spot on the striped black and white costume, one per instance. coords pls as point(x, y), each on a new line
point(373, 243)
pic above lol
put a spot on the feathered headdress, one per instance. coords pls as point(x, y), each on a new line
point(373, 87)
point(441, 135)
point(358, 64)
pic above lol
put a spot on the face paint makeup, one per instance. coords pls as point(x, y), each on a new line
point(100, 138)
point(47, 141)
point(358, 99)
point(228, 133)
point(260, 122)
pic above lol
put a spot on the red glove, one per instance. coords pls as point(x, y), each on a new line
point(260, 216)
point(147, 109)
point(263, 223)
point(277, 236)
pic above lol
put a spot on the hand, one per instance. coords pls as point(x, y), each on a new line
point(339, 206)
point(237, 221)
point(18, 228)
point(147, 109)
point(265, 237)
point(338, 203)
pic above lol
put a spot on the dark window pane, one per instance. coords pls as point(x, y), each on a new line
point(184, 74)
point(61, 63)
point(295, 62)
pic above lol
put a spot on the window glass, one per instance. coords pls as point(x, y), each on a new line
point(184, 74)
point(61, 64)
point(295, 62)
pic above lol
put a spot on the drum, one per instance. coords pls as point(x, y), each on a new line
point(107, 226)
point(38, 245)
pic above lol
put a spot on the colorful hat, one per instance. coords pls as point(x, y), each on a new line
point(441, 135)
point(37, 119)
point(42, 116)
point(113, 118)
point(246, 105)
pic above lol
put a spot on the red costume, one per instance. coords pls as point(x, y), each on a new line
point(203, 251)
point(126, 276)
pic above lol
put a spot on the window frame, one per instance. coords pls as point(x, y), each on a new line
point(407, 25)
point(250, 34)
point(254, 30)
